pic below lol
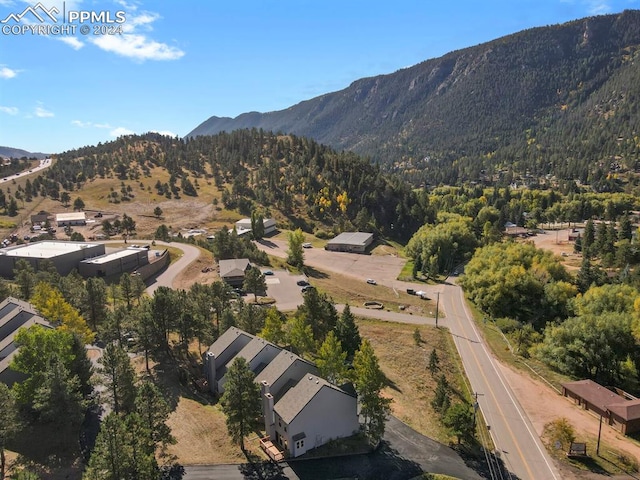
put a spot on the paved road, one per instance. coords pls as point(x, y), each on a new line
point(512, 432)
point(44, 163)
point(167, 276)
point(405, 455)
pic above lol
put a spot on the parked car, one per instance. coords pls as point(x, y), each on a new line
point(302, 283)
point(267, 272)
point(371, 281)
point(98, 215)
point(307, 245)
point(411, 291)
point(306, 288)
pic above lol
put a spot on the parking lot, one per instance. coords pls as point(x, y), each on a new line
point(282, 287)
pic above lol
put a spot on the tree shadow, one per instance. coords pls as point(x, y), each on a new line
point(176, 379)
point(382, 464)
point(314, 273)
point(258, 469)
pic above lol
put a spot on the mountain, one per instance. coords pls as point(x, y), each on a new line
point(558, 100)
point(8, 152)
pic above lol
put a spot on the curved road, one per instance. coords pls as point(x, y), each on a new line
point(513, 435)
point(44, 163)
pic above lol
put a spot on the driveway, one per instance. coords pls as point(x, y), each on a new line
point(403, 455)
point(282, 287)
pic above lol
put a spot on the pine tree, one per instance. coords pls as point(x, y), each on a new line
point(119, 378)
point(347, 332)
point(331, 360)
point(240, 401)
point(369, 381)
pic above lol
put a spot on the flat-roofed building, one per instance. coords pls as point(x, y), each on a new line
point(110, 264)
point(355, 242)
point(245, 224)
point(65, 256)
point(71, 218)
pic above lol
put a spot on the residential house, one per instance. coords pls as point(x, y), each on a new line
point(232, 271)
point(14, 315)
point(301, 410)
point(258, 353)
point(310, 414)
point(221, 353)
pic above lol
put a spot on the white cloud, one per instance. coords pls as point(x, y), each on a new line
point(6, 72)
point(120, 131)
point(81, 124)
point(42, 112)
point(167, 133)
point(598, 7)
point(9, 110)
point(73, 42)
point(136, 46)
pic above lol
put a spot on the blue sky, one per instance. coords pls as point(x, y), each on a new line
point(174, 64)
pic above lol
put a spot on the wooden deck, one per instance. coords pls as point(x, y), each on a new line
point(271, 449)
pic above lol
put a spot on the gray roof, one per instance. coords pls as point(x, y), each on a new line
point(279, 365)
point(252, 349)
point(14, 315)
point(226, 340)
point(352, 238)
point(299, 396)
point(234, 267)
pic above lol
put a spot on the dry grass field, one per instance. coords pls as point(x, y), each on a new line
point(199, 425)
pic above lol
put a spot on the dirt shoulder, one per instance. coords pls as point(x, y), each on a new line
point(543, 404)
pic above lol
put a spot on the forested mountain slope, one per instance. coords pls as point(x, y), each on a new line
point(559, 100)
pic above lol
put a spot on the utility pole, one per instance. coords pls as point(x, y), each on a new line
point(599, 432)
point(476, 405)
point(437, 304)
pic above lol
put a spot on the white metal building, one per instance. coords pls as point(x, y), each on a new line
point(71, 218)
point(115, 263)
point(65, 256)
point(356, 242)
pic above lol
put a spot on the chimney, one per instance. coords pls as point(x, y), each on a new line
point(210, 370)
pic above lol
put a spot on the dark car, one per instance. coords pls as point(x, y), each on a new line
point(306, 288)
point(302, 283)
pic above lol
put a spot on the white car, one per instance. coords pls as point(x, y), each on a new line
point(371, 281)
point(306, 245)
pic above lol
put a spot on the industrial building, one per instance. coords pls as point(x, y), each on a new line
point(72, 218)
point(65, 256)
point(115, 263)
point(356, 242)
point(244, 225)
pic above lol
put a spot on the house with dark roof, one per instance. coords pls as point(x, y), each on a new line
point(621, 412)
point(221, 353)
point(258, 353)
point(14, 315)
point(301, 410)
point(282, 373)
point(232, 271)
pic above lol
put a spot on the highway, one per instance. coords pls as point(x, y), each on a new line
point(44, 163)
